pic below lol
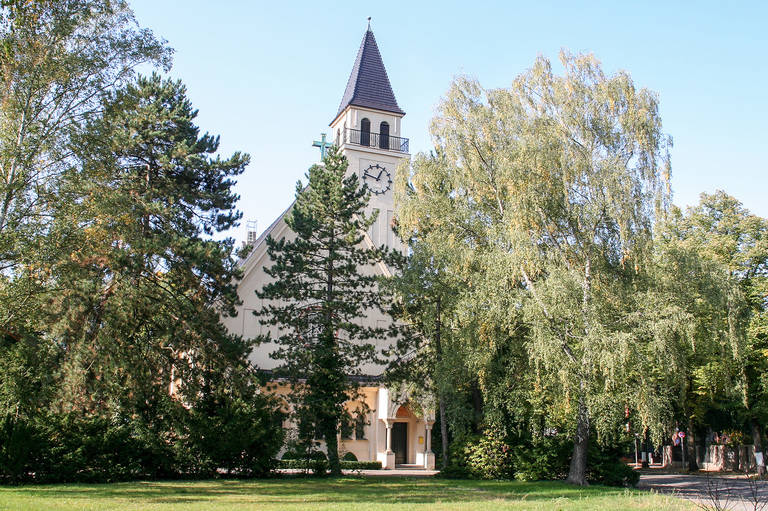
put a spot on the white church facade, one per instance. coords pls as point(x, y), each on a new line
point(368, 130)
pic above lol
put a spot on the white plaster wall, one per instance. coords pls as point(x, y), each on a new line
point(254, 277)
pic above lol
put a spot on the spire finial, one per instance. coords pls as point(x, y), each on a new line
point(369, 23)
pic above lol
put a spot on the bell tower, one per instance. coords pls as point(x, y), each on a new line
point(367, 129)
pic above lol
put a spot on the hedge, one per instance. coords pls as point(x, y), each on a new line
point(345, 465)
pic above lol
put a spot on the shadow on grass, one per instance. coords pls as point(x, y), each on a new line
point(360, 490)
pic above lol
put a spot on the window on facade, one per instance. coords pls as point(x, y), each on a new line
point(360, 424)
point(338, 137)
point(365, 132)
point(384, 135)
point(347, 428)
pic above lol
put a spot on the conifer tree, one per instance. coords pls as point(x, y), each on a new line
point(142, 283)
point(323, 286)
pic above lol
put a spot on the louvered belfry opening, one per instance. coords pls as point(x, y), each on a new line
point(384, 135)
point(365, 132)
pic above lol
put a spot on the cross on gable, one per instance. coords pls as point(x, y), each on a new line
point(323, 145)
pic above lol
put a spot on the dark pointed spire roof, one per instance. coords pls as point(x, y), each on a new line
point(368, 84)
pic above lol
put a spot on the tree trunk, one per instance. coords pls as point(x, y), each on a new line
point(441, 398)
point(757, 441)
point(646, 462)
point(332, 446)
point(443, 433)
point(577, 473)
point(690, 445)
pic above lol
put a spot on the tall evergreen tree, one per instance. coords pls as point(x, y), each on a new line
point(324, 284)
point(143, 283)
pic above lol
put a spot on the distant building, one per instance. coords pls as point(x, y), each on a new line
point(252, 232)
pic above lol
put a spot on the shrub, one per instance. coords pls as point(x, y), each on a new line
point(345, 465)
point(457, 458)
point(549, 459)
point(235, 435)
point(350, 456)
point(735, 437)
point(605, 467)
point(489, 457)
point(542, 459)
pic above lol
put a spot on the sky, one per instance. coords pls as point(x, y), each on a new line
point(268, 76)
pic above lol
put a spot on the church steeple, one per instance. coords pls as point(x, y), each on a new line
point(368, 85)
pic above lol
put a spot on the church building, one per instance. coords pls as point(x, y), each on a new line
point(368, 130)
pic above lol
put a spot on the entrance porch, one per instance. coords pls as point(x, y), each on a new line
point(407, 437)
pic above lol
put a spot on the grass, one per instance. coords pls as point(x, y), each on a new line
point(342, 494)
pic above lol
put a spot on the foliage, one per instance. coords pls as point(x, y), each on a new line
point(606, 467)
point(114, 362)
point(543, 458)
point(57, 61)
point(345, 464)
point(547, 458)
point(72, 447)
point(546, 194)
point(490, 457)
point(317, 295)
point(425, 298)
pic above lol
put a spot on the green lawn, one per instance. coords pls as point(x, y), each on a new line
point(348, 493)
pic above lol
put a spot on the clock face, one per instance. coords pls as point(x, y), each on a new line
point(378, 179)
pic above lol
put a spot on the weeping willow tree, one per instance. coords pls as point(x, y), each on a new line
point(547, 191)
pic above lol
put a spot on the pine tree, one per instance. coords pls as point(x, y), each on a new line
point(142, 284)
point(324, 285)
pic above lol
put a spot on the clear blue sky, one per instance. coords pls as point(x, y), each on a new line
point(268, 76)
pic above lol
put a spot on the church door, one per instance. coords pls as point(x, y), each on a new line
point(400, 442)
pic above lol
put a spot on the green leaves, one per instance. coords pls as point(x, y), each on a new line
point(324, 287)
point(545, 194)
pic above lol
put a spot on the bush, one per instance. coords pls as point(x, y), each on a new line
point(345, 465)
point(457, 458)
point(543, 459)
point(350, 456)
point(549, 459)
point(489, 457)
point(234, 435)
point(605, 467)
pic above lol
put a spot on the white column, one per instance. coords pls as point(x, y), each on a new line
point(389, 437)
point(429, 456)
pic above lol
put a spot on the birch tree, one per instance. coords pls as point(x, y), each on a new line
point(553, 188)
point(57, 61)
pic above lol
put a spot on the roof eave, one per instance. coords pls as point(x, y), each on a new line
point(398, 113)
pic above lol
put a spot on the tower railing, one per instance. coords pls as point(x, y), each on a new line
point(377, 140)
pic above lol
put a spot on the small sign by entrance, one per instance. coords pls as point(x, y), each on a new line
point(421, 440)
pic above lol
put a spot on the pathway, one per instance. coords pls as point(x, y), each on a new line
point(734, 491)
